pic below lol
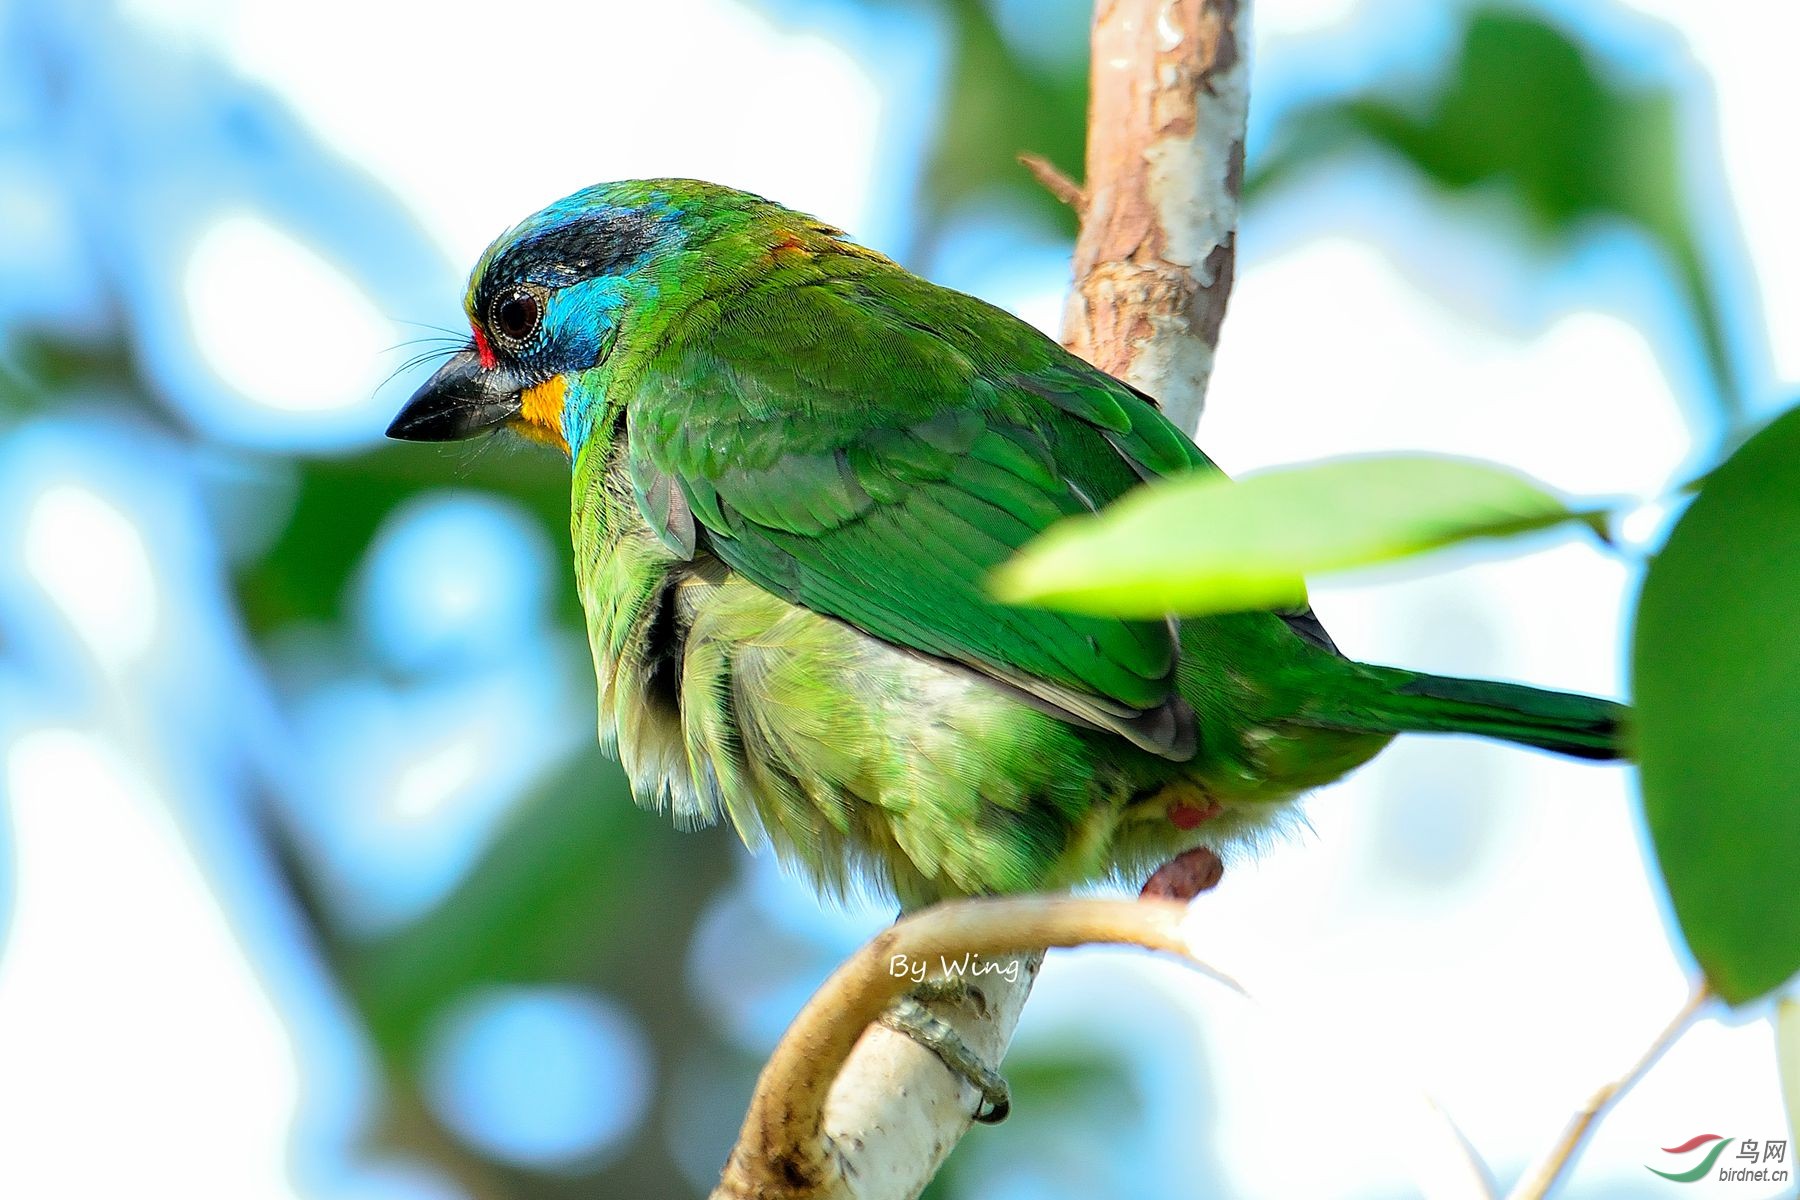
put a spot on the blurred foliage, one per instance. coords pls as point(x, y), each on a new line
point(1716, 673)
point(1206, 544)
point(578, 888)
point(340, 502)
point(1001, 98)
point(999, 103)
point(1519, 108)
point(1073, 1084)
point(1524, 110)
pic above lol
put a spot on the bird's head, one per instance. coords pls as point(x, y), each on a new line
point(550, 298)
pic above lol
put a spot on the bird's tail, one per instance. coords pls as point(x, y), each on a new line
point(1390, 700)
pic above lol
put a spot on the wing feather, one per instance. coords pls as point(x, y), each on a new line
point(878, 469)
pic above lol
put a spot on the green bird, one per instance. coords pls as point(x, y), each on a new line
point(795, 466)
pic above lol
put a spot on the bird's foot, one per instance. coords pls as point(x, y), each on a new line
point(909, 1015)
point(1184, 876)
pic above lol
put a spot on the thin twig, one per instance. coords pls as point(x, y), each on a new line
point(1054, 180)
point(784, 1148)
point(1479, 1179)
point(1538, 1181)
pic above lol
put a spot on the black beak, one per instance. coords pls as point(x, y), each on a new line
point(461, 400)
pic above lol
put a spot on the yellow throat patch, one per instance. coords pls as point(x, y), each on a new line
point(540, 412)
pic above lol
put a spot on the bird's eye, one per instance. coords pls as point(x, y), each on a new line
point(516, 316)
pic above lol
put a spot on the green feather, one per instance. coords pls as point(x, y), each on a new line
point(795, 467)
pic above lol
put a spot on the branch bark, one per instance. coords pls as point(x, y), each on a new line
point(848, 1108)
point(1165, 169)
point(817, 1129)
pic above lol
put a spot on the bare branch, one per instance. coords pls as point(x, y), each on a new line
point(792, 1145)
point(1538, 1181)
point(1054, 181)
point(1475, 1177)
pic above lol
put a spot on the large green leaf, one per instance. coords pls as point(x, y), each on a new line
point(1716, 661)
point(1204, 544)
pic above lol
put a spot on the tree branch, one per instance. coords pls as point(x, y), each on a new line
point(796, 1140)
point(1165, 168)
point(1538, 1181)
point(1054, 181)
point(1153, 267)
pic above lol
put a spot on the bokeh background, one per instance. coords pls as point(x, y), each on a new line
point(312, 880)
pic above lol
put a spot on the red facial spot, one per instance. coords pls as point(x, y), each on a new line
point(483, 349)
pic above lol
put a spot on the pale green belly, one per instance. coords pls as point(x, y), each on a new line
point(859, 762)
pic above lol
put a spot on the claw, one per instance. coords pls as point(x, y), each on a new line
point(909, 1015)
point(946, 990)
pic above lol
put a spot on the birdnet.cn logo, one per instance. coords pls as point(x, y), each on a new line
point(1704, 1156)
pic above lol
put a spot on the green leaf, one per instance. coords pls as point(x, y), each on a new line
point(1716, 666)
point(1787, 1043)
point(1204, 544)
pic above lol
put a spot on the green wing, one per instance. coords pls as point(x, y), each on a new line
point(871, 446)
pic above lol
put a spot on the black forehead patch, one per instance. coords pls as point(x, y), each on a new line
point(582, 248)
